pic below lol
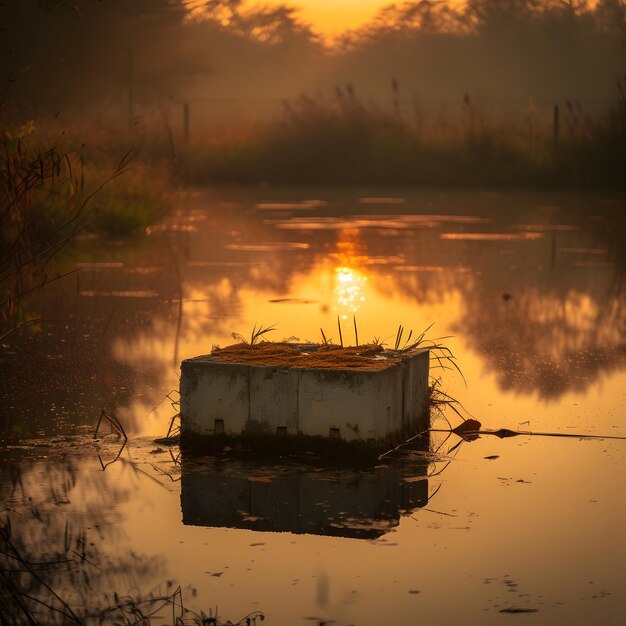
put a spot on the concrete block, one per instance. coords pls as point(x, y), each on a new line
point(353, 404)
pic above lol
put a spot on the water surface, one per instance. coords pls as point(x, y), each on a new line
point(528, 287)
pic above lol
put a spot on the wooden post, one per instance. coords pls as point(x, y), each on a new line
point(186, 122)
point(556, 124)
point(131, 95)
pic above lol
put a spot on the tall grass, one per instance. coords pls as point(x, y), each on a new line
point(40, 212)
point(593, 152)
point(343, 139)
point(48, 197)
point(130, 203)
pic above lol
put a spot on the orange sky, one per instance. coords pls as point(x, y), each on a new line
point(330, 17)
point(327, 17)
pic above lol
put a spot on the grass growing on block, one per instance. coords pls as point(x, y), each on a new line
point(321, 356)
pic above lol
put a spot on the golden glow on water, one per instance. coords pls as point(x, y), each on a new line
point(349, 291)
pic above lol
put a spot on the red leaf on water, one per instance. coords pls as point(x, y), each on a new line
point(468, 429)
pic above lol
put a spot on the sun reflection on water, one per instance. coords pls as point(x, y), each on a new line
point(349, 291)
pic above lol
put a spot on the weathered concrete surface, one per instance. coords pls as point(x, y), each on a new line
point(361, 405)
point(415, 392)
point(351, 404)
point(213, 394)
point(273, 399)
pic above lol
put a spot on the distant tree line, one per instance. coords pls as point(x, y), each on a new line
point(98, 57)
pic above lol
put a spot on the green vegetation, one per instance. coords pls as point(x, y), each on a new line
point(130, 203)
point(48, 197)
point(39, 212)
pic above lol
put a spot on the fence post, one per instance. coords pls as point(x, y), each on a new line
point(130, 78)
point(186, 123)
point(556, 124)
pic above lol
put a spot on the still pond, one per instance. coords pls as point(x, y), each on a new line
point(529, 291)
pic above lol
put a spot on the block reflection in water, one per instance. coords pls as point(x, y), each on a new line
point(357, 503)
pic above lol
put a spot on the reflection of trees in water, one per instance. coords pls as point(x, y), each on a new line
point(63, 558)
point(58, 536)
point(563, 327)
point(541, 326)
point(427, 286)
point(550, 343)
point(546, 339)
point(211, 279)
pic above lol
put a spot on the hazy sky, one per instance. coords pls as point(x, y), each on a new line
point(330, 17)
point(333, 16)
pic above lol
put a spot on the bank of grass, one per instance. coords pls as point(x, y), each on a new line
point(44, 184)
point(127, 205)
point(345, 141)
point(48, 196)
